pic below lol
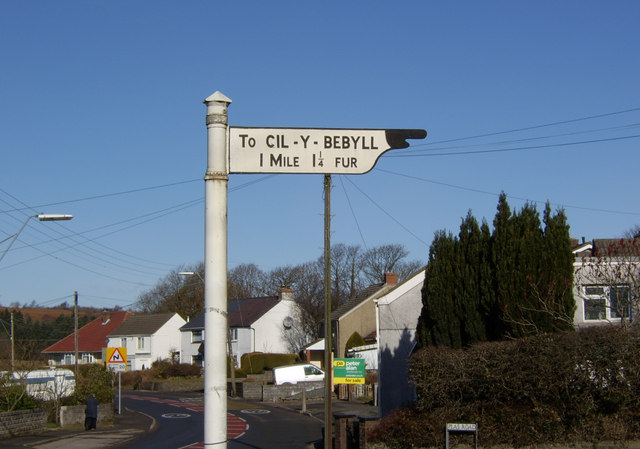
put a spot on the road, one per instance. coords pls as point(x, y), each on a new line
point(180, 424)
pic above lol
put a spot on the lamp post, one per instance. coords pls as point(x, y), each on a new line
point(41, 217)
point(191, 273)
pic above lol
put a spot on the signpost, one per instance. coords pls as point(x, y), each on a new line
point(268, 150)
point(461, 428)
point(348, 371)
point(117, 361)
point(313, 150)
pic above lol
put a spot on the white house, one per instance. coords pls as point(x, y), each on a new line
point(397, 314)
point(606, 291)
point(264, 324)
point(147, 338)
point(606, 281)
point(192, 341)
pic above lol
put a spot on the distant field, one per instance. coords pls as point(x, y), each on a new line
point(46, 315)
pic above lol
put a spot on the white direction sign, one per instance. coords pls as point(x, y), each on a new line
point(312, 150)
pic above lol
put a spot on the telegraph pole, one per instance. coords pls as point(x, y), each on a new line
point(12, 344)
point(328, 368)
point(75, 329)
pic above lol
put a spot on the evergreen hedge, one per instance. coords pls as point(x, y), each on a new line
point(554, 388)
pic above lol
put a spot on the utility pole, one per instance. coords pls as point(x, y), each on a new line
point(75, 329)
point(12, 344)
point(328, 365)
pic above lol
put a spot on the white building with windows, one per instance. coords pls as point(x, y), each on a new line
point(262, 324)
point(147, 338)
point(192, 341)
point(91, 340)
point(607, 281)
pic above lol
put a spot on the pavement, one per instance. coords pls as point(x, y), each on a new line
point(130, 424)
point(126, 426)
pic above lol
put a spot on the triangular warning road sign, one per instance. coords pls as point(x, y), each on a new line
point(116, 357)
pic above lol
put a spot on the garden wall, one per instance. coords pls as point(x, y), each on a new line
point(22, 422)
point(73, 415)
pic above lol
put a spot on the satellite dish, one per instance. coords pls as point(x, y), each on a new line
point(287, 322)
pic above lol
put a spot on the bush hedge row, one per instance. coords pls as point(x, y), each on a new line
point(258, 362)
point(557, 388)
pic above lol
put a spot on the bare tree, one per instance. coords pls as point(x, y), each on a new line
point(633, 233)
point(174, 293)
point(309, 295)
point(346, 270)
point(608, 281)
point(295, 332)
point(285, 276)
point(246, 281)
point(377, 262)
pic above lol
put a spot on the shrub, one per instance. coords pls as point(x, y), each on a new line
point(93, 378)
point(558, 388)
point(273, 360)
point(131, 379)
point(14, 397)
point(183, 370)
point(354, 341)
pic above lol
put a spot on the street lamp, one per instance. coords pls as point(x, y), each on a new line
point(41, 217)
point(191, 273)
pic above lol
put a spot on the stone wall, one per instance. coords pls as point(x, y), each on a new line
point(281, 392)
point(22, 422)
point(73, 415)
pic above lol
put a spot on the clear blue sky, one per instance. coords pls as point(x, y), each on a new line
point(101, 116)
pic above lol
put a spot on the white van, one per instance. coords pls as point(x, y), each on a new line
point(292, 374)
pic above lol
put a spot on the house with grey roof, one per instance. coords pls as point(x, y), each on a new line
point(147, 338)
point(607, 282)
point(261, 324)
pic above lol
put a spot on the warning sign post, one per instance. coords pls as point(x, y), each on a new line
point(116, 359)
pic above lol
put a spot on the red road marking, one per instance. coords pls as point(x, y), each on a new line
point(236, 427)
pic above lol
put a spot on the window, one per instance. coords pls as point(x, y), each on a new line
point(196, 336)
point(140, 342)
point(233, 332)
point(606, 302)
point(310, 370)
point(123, 342)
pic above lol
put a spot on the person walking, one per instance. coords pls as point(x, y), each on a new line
point(91, 413)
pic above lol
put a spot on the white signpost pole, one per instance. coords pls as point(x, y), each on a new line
point(264, 150)
point(215, 273)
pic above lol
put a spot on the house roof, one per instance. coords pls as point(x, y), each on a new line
point(196, 323)
point(619, 247)
point(362, 296)
point(146, 324)
point(92, 336)
point(242, 312)
point(245, 312)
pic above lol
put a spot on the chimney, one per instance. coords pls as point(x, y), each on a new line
point(286, 294)
point(390, 278)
